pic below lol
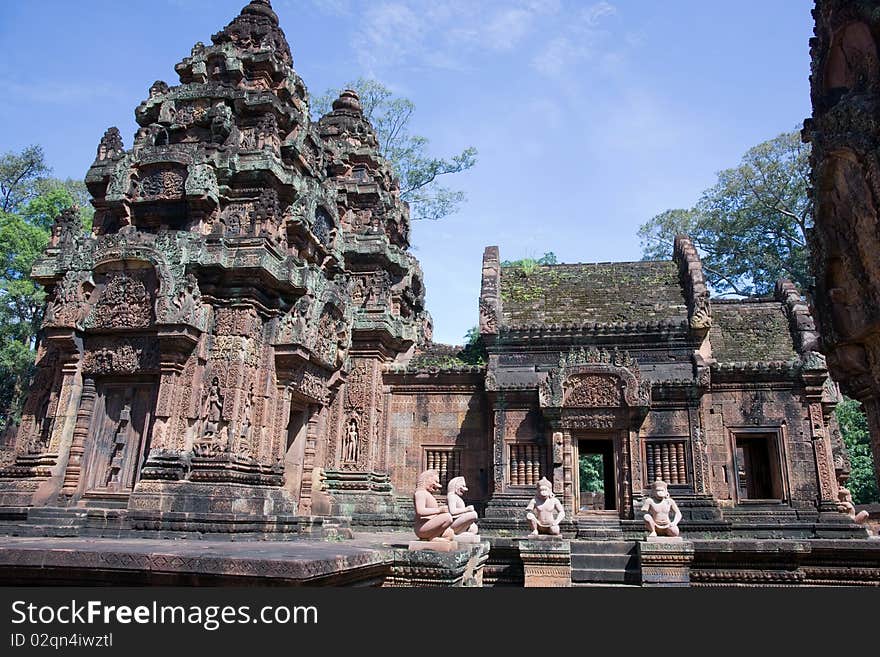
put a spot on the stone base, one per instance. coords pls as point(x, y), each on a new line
point(546, 561)
point(19, 492)
point(664, 539)
point(435, 546)
point(432, 568)
point(666, 563)
point(468, 538)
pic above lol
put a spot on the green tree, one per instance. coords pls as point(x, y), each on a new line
point(30, 202)
point(854, 430)
point(20, 177)
point(750, 227)
point(417, 171)
point(592, 472)
point(474, 351)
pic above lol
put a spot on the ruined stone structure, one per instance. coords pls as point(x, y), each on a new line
point(845, 138)
point(241, 346)
point(221, 332)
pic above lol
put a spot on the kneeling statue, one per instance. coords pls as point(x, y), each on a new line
point(433, 521)
point(845, 505)
point(463, 515)
point(544, 511)
point(658, 506)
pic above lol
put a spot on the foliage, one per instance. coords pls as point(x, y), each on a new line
point(592, 472)
point(408, 154)
point(474, 352)
point(530, 265)
point(854, 430)
point(31, 201)
point(20, 175)
point(750, 227)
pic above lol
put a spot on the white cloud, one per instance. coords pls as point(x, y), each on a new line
point(444, 33)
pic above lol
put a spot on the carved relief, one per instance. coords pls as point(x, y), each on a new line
point(67, 304)
point(161, 184)
point(122, 303)
point(488, 317)
point(112, 356)
point(592, 390)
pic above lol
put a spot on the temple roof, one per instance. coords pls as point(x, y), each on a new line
point(750, 330)
point(608, 292)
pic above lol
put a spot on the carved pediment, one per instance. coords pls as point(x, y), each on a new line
point(595, 378)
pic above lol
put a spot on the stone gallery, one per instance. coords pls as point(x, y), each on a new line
point(240, 349)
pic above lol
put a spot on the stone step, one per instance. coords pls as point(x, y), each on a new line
point(605, 575)
point(602, 547)
point(613, 561)
point(604, 562)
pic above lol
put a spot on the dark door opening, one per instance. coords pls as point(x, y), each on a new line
point(757, 467)
point(598, 488)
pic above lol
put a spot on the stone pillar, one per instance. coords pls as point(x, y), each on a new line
point(824, 459)
point(80, 433)
point(666, 562)
point(546, 561)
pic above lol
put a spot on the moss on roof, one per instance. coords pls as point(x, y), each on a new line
point(646, 291)
point(446, 357)
point(750, 331)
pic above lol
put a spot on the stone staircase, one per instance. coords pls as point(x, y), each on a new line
point(603, 555)
point(65, 522)
point(605, 563)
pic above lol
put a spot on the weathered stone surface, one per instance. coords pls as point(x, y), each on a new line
point(845, 158)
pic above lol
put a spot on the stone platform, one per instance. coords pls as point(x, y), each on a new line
point(368, 560)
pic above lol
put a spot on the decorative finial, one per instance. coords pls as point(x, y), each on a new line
point(348, 101)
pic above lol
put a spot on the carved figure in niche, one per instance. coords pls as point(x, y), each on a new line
point(341, 342)
point(433, 522)
point(845, 505)
point(66, 227)
point(188, 299)
point(111, 479)
point(222, 126)
point(350, 444)
point(464, 515)
point(213, 409)
point(267, 132)
point(544, 511)
point(244, 444)
point(40, 440)
point(658, 506)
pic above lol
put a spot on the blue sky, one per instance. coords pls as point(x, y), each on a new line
point(589, 117)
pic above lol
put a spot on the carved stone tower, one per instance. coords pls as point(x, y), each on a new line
point(219, 335)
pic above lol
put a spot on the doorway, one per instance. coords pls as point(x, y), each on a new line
point(119, 438)
point(757, 467)
point(597, 488)
point(294, 455)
